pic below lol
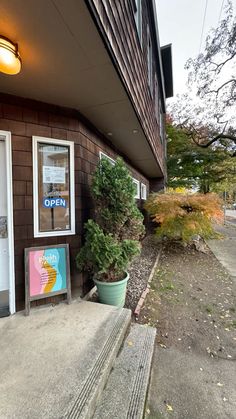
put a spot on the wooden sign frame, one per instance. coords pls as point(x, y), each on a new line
point(66, 290)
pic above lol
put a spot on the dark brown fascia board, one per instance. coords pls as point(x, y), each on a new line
point(166, 53)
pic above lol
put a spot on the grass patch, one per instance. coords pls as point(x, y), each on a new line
point(168, 286)
point(162, 281)
point(209, 309)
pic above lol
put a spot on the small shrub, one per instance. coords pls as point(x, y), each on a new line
point(180, 217)
point(105, 256)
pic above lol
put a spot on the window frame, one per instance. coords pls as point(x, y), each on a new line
point(161, 122)
point(136, 181)
point(65, 143)
point(143, 196)
point(105, 156)
point(150, 61)
point(156, 97)
point(137, 5)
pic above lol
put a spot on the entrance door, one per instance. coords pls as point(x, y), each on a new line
point(6, 238)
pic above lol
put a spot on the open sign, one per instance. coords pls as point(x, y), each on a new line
point(54, 202)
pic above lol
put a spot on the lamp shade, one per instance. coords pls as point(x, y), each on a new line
point(10, 61)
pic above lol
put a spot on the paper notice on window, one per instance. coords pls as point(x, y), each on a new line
point(53, 174)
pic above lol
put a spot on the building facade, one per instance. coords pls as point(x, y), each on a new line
point(93, 85)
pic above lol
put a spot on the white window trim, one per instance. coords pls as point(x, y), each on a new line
point(10, 223)
point(105, 156)
point(143, 191)
point(69, 144)
point(137, 196)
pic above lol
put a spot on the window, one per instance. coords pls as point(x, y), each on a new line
point(143, 191)
point(137, 185)
point(156, 99)
point(53, 183)
point(138, 18)
point(161, 122)
point(149, 61)
point(104, 156)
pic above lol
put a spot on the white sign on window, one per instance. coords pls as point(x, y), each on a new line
point(52, 174)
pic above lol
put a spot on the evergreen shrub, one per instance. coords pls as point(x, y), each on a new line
point(112, 239)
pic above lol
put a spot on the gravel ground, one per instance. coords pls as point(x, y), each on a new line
point(140, 270)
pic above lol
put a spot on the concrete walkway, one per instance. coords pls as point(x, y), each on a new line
point(231, 213)
point(231, 217)
point(53, 361)
point(194, 371)
point(225, 249)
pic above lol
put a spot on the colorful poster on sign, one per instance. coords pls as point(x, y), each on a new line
point(47, 271)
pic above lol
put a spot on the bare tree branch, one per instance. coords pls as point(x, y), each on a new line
point(216, 91)
point(215, 139)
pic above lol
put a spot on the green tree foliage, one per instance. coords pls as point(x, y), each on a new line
point(112, 240)
point(193, 167)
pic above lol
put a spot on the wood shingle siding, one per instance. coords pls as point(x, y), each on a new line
point(56, 123)
point(116, 22)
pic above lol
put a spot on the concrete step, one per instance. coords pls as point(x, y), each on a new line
point(56, 362)
point(84, 405)
point(125, 393)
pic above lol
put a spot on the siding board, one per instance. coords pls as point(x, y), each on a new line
point(87, 144)
point(118, 24)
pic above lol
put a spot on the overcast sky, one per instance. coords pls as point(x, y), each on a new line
point(180, 23)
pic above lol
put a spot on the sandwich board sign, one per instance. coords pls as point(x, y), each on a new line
point(47, 273)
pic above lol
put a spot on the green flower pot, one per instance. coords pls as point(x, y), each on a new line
point(112, 293)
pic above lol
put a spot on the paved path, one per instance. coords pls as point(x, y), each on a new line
point(231, 213)
point(231, 216)
point(225, 249)
point(194, 371)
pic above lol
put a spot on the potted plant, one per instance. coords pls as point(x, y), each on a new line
point(112, 239)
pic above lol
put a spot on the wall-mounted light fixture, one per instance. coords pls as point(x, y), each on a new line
point(10, 61)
